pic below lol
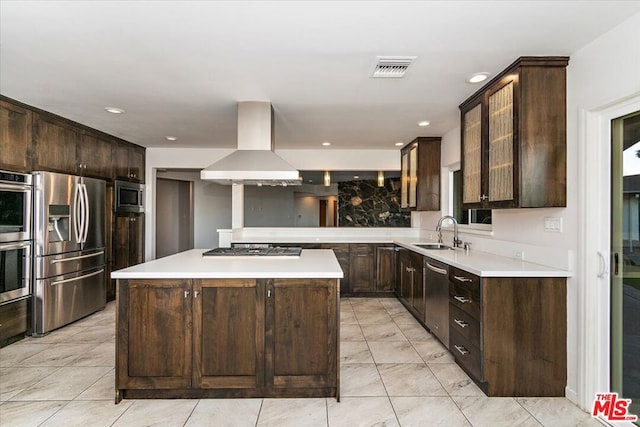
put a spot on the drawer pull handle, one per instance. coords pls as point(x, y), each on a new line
point(462, 279)
point(462, 299)
point(461, 323)
point(463, 351)
point(186, 294)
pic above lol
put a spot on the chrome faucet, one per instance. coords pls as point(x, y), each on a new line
point(456, 242)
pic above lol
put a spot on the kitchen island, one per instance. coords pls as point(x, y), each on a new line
point(194, 327)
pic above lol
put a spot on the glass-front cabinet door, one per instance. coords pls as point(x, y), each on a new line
point(500, 144)
point(472, 155)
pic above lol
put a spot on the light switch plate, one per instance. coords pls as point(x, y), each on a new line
point(553, 224)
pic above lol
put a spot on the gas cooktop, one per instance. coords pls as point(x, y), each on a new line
point(289, 252)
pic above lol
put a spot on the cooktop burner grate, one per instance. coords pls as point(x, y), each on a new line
point(257, 252)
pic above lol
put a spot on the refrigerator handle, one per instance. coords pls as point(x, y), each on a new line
point(76, 212)
point(86, 213)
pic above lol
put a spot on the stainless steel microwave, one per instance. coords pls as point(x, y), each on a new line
point(129, 197)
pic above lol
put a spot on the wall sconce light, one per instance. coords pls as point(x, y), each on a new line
point(327, 179)
point(380, 178)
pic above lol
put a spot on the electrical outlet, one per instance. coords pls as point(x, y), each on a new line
point(519, 255)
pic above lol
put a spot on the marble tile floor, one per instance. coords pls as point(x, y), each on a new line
point(393, 373)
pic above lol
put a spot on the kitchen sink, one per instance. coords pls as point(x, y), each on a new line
point(438, 246)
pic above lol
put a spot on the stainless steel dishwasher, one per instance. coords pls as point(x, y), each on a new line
point(436, 277)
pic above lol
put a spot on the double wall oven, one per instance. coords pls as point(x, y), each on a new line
point(16, 239)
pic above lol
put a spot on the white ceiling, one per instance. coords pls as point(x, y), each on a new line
point(179, 67)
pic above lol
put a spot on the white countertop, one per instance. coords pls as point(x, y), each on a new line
point(312, 263)
point(484, 264)
point(479, 263)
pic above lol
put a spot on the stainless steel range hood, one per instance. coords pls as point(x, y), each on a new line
point(254, 162)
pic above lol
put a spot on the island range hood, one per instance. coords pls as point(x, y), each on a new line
point(254, 162)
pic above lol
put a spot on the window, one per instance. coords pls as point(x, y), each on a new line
point(466, 216)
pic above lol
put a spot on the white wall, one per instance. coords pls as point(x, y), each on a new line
point(211, 208)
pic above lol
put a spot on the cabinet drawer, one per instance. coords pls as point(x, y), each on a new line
point(464, 324)
point(361, 248)
point(464, 291)
point(466, 354)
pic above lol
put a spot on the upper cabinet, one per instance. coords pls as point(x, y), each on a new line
point(33, 139)
point(129, 161)
point(420, 174)
point(514, 137)
point(15, 137)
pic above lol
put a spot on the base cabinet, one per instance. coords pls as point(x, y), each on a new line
point(227, 338)
point(509, 334)
point(14, 320)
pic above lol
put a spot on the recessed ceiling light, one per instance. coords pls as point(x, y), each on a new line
point(399, 144)
point(477, 77)
point(114, 110)
point(424, 123)
point(326, 143)
point(171, 138)
point(356, 176)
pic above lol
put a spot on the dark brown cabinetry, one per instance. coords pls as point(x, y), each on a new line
point(341, 251)
point(420, 174)
point(154, 335)
point(94, 156)
point(227, 338)
point(230, 354)
point(302, 336)
point(513, 138)
point(15, 137)
point(509, 325)
point(128, 240)
point(362, 267)
point(14, 320)
point(54, 145)
point(385, 268)
point(129, 161)
point(410, 287)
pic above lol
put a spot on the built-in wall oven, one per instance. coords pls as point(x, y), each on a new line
point(15, 235)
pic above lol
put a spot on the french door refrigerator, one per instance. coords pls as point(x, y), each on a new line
point(69, 243)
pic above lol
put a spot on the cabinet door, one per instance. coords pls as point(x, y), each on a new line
point(302, 321)
point(417, 285)
point(121, 242)
point(501, 142)
point(385, 268)
point(362, 266)
point(155, 334)
point(15, 137)
point(404, 178)
point(136, 239)
point(120, 154)
point(54, 145)
point(341, 251)
point(136, 163)
point(228, 327)
point(413, 176)
point(94, 156)
point(404, 275)
point(472, 155)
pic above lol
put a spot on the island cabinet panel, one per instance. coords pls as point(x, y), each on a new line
point(154, 334)
point(196, 338)
point(302, 334)
point(229, 334)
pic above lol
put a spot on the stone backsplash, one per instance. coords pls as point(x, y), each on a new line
point(364, 204)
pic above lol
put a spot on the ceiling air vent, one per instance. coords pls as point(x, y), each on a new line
point(391, 66)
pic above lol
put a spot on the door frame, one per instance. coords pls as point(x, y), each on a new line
point(594, 253)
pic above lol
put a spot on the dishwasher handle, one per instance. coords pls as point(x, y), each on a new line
point(436, 269)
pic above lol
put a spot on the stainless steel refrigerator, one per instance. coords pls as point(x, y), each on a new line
point(69, 243)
